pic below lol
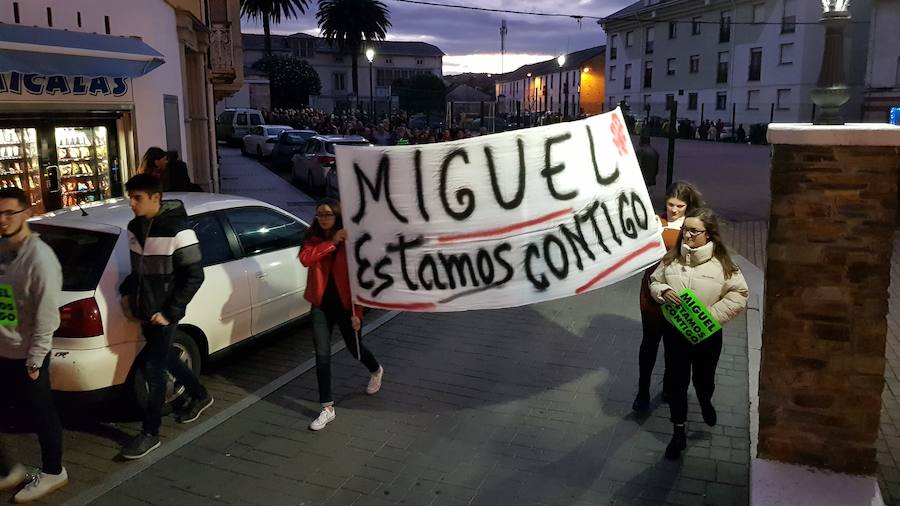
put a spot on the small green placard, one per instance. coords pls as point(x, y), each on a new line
point(691, 318)
point(9, 316)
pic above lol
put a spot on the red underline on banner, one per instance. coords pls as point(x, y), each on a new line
point(504, 230)
point(387, 305)
point(629, 257)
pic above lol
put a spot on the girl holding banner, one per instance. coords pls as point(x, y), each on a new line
point(681, 197)
point(699, 263)
point(328, 290)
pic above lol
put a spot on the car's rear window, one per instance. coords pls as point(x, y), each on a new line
point(298, 137)
point(330, 146)
point(83, 254)
point(274, 131)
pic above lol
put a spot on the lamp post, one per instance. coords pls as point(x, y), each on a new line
point(832, 91)
point(526, 95)
point(562, 61)
point(370, 55)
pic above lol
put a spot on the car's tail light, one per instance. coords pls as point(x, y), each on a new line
point(80, 319)
point(326, 160)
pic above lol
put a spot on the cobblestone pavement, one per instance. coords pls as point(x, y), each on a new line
point(527, 405)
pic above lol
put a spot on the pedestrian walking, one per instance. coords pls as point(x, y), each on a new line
point(30, 284)
point(155, 162)
point(166, 272)
point(681, 197)
point(324, 253)
point(699, 261)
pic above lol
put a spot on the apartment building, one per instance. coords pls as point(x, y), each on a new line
point(752, 60)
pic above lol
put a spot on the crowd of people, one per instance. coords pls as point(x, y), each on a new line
point(392, 130)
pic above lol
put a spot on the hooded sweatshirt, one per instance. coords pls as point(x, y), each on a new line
point(32, 276)
point(166, 264)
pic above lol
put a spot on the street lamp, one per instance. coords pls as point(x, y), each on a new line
point(832, 92)
point(370, 55)
point(525, 93)
point(562, 61)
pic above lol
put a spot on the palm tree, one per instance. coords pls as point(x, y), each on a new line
point(347, 23)
point(271, 11)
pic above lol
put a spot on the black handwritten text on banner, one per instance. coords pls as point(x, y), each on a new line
point(496, 221)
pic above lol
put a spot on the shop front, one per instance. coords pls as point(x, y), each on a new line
point(67, 134)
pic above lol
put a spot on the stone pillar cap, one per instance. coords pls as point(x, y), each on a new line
point(851, 134)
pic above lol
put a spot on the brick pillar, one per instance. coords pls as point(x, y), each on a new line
point(834, 206)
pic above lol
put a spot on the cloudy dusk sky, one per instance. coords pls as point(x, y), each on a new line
point(471, 39)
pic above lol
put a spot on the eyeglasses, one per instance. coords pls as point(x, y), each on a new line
point(324, 215)
point(10, 214)
point(690, 232)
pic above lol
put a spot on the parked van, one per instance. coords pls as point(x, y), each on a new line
point(233, 124)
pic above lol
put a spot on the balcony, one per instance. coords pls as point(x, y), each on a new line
point(221, 54)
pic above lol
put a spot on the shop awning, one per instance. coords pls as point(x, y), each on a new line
point(33, 50)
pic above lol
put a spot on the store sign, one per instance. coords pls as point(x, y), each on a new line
point(498, 220)
point(31, 86)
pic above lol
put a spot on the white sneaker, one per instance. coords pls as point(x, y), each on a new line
point(325, 416)
point(15, 477)
point(41, 485)
point(375, 381)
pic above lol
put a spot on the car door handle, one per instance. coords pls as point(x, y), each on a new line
point(260, 275)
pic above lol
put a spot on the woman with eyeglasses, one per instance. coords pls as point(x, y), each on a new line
point(699, 261)
point(324, 253)
point(681, 197)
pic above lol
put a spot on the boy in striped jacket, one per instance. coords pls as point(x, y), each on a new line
point(166, 272)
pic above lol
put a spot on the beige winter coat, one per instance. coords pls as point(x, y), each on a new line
point(700, 271)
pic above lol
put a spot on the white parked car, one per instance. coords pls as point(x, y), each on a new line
point(261, 140)
point(254, 284)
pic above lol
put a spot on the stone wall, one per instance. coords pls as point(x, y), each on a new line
point(829, 254)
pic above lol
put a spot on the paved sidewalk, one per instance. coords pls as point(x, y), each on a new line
point(246, 177)
point(527, 405)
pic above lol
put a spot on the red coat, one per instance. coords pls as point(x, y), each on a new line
point(322, 257)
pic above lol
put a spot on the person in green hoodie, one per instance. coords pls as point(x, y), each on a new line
point(30, 286)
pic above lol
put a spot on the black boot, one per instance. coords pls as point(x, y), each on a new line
point(677, 444)
point(709, 414)
point(641, 403)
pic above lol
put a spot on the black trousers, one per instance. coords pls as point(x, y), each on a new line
point(652, 325)
point(684, 361)
point(158, 358)
point(323, 322)
point(17, 387)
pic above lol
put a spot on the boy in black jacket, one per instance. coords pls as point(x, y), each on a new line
point(166, 272)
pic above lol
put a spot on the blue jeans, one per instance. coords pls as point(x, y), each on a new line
point(159, 357)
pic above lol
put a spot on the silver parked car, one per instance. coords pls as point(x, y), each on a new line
point(310, 167)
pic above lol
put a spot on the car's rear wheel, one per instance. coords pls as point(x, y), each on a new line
point(244, 149)
point(188, 353)
point(259, 153)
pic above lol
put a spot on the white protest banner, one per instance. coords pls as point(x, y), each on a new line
point(496, 221)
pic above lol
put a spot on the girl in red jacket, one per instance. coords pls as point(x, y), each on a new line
point(328, 290)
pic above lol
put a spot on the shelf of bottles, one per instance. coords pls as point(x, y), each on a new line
point(19, 164)
point(83, 161)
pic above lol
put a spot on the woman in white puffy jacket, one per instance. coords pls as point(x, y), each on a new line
point(698, 261)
